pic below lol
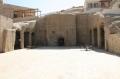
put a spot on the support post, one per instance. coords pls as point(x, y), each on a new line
point(22, 39)
point(106, 38)
point(99, 37)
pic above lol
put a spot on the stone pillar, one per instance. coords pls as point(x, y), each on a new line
point(106, 38)
point(30, 40)
point(106, 47)
point(22, 39)
point(98, 37)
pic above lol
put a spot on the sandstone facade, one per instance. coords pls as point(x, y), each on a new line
point(66, 28)
point(5, 23)
point(77, 30)
point(82, 29)
point(58, 26)
point(112, 37)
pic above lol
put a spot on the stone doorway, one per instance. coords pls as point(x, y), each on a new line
point(90, 38)
point(33, 39)
point(102, 33)
point(17, 40)
point(95, 38)
point(61, 41)
point(26, 39)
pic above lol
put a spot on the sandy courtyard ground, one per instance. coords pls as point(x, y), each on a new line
point(58, 64)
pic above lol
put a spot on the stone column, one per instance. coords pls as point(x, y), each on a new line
point(106, 38)
point(106, 47)
point(22, 39)
point(99, 37)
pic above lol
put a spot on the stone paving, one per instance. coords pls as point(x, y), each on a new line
point(59, 64)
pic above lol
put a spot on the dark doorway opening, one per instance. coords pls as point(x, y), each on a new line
point(102, 38)
point(33, 39)
point(61, 41)
point(90, 37)
point(26, 39)
point(17, 40)
point(95, 37)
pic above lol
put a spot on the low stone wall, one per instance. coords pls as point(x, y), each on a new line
point(114, 43)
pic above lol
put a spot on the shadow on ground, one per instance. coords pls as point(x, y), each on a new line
point(77, 47)
point(81, 48)
point(103, 51)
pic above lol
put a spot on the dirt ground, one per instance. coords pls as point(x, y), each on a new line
point(59, 64)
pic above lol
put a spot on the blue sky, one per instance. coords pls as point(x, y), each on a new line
point(47, 6)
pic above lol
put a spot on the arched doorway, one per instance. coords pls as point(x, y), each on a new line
point(60, 41)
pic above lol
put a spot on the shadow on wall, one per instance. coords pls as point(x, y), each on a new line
point(62, 47)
